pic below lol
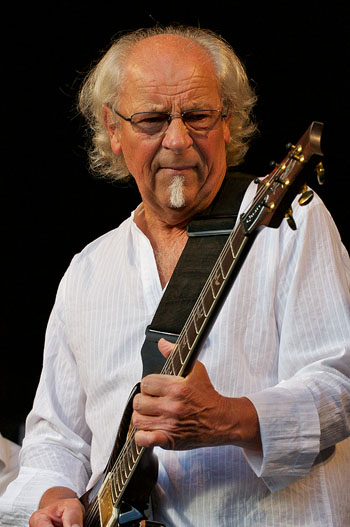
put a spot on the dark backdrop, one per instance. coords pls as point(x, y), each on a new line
point(297, 57)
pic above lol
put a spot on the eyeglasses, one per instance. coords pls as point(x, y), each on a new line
point(152, 123)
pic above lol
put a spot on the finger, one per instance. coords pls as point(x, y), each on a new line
point(165, 347)
point(41, 519)
point(146, 405)
point(73, 516)
point(158, 385)
point(149, 439)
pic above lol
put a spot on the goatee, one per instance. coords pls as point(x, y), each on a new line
point(177, 198)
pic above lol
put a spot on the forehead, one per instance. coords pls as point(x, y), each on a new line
point(169, 67)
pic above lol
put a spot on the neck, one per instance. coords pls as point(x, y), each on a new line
point(167, 241)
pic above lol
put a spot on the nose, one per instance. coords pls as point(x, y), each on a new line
point(177, 136)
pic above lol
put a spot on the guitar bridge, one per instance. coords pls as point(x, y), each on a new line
point(108, 512)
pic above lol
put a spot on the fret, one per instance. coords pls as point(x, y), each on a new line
point(207, 299)
point(191, 334)
point(119, 478)
point(176, 363)
point(167, 369)
point(114, 490)
point(182, 349)
point(197, 316)
point(226, 263)
point(201, 299)
point(221, 269)
point(212, 290)
point(230, 239)
point(130, 460)
point(133, 451)
point(216, 281)
point(171, 364)
point(124, 471)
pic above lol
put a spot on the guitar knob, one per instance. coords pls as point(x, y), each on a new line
point(290, 220)
point(306, 197)
point(320, 172)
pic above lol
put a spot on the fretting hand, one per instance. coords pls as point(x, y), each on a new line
point(184, 413)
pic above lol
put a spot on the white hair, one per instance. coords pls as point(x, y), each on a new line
point(103, 86)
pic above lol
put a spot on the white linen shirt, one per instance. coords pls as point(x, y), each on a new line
point(8, 462)
point(282, 339)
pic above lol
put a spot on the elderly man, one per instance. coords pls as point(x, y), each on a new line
point(256, 433)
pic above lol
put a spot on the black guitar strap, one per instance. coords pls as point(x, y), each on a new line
point(207, 234)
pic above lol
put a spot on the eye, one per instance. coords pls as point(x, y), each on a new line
point(152, 118)
point(196, 116)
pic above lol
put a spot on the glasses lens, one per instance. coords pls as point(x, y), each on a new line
point(201, 120)
point(157, 122)
point(150, 122)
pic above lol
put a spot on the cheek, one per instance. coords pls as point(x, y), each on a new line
point(138, 153)
point(216, 149)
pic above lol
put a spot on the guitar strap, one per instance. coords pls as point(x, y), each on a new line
point(207, 234)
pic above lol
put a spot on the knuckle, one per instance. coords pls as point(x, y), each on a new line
point(173, 412)
point(136, 402)
point(179, 391)
point(145, 384)
point(135, 420)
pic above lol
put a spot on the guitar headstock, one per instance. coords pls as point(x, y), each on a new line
point(277, 190)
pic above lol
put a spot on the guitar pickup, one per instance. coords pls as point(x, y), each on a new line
point(108, 512)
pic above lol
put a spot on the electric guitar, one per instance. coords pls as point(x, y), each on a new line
point(121, 495)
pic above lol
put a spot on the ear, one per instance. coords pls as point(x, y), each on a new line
point(113, 130)
point(227, 133)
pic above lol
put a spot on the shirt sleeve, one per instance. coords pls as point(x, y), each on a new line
point(308, 411)
point(56, 447)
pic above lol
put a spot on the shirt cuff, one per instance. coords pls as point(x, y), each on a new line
point(290, 434)
point(22, 496)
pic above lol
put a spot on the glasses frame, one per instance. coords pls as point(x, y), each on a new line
point(171, 116)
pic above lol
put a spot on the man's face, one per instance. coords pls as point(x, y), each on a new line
point(179, 171)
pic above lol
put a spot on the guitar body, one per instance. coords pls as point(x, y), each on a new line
point(136, 495)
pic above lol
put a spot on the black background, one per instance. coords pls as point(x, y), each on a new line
point(297, 56)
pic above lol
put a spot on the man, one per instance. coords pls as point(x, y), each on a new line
point(256, 433)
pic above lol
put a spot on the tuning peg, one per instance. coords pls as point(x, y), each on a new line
point(320, 172)
point(290, 220)
point(306, 196)
point(298, 148)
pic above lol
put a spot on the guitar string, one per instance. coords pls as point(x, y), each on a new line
point(168, 366)
point(95, 506)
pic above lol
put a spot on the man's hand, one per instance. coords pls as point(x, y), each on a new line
point(59, 507)
point(184, 413)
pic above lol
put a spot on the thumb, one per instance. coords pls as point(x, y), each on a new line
point(165, 347)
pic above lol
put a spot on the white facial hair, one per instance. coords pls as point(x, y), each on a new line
point(177, 198)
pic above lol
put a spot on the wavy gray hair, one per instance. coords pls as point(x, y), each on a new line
point(103, 85)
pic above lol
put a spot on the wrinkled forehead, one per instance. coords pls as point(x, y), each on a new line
point(169, 65)
point(169, 52)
